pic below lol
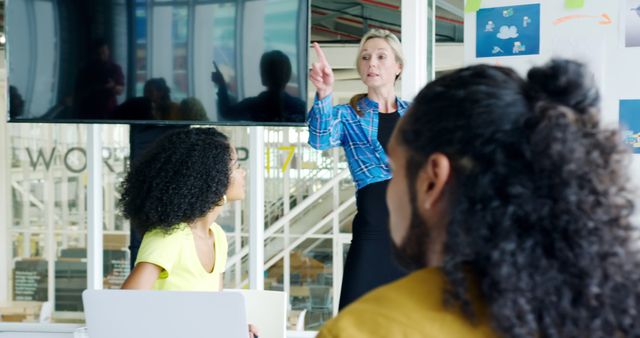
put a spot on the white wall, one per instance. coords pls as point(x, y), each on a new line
point(601, 46)
point(5, 194)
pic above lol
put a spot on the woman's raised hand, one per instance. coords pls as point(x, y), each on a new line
point(321, 74)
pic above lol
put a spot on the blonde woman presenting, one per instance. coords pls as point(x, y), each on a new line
point(363, 128)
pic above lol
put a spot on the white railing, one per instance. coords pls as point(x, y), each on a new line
point(293, 245)
point(336, 213)
point(276, 207)
point(297, 210)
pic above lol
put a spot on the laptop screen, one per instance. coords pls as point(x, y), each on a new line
point(164, 314)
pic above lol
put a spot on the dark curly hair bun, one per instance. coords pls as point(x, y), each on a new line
point(567, 83)
point(540, 200)
point(179, 179)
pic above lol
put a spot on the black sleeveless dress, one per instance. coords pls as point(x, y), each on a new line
point(370, 261)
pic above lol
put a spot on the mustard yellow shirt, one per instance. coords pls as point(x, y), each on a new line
point(410, 307)
point(176, 254)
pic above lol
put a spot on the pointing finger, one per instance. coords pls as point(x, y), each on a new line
point(320, 53)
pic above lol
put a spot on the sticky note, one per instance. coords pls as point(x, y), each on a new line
point(573, 4)
point(472, 6)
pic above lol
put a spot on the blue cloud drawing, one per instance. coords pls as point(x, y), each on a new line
point(508, 32)
point(518, 33)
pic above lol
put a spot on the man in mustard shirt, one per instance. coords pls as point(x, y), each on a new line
point(510, 202)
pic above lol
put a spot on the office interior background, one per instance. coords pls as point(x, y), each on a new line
point(309, 200)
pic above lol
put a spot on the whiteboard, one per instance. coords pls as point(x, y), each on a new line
point(595, 34)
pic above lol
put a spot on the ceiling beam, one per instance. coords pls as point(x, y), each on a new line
point(338, 12)
point(447, 6)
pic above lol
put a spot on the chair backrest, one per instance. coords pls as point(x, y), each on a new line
point(267, 310)
point(320, 296)
point(324, 278)
point(164, 314)
point(45, 312)
point(300, 321)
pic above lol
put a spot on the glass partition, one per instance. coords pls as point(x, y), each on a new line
point(309, 195)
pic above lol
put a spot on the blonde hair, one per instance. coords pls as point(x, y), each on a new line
point(396, 47)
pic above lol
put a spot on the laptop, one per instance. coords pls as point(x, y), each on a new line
point(164, 314)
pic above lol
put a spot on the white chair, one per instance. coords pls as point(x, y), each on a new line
point(45, 312)
point(300, 321)
point(267, 310)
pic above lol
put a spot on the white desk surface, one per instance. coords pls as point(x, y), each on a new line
point(38, 327)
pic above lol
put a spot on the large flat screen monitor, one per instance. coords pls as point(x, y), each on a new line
point(157, 61)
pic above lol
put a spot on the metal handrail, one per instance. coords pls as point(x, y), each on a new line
point(273, 260)
point(311, 230)
point(309, 179)
point(298, 209)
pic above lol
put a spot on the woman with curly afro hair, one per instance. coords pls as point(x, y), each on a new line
point(511, 202)
point(173, 196)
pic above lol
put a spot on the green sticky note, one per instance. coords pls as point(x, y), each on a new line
point(573, 4)
point(472, 6)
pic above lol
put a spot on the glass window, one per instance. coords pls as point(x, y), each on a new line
point(169, 32)
point(141, 41)
point(304, 248)
point(276, 35)
point(215, 36)
point(48, 220)
point(40, 53)
point(48, 236)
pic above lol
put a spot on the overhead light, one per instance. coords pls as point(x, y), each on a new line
point(3, 39)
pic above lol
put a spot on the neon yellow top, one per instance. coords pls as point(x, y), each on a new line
point(409, 307)
point(176, 254)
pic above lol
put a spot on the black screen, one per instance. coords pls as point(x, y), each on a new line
point(157, 61)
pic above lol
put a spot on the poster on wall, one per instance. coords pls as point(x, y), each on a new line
point(631, 15)
point(630, 123)
point(508, 31)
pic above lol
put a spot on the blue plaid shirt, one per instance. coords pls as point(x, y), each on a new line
point(331, 127)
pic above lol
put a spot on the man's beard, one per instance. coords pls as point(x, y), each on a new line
point(411, 254)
